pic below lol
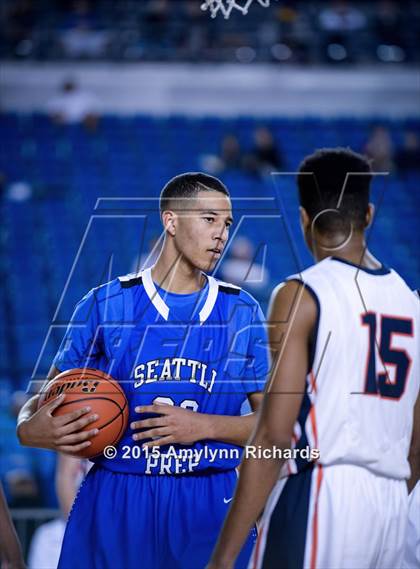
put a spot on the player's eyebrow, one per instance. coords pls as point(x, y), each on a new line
point(216, 213)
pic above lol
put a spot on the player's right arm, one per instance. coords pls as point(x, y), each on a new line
point(39, 428)
point(80, 348)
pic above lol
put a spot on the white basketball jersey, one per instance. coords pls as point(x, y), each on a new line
point(364, 379)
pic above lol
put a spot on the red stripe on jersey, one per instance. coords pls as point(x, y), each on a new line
point(313, 381)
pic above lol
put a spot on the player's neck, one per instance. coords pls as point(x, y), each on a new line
point(176, 275)
point(355, 251)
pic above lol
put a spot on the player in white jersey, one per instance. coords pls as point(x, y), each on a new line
point(345, 380)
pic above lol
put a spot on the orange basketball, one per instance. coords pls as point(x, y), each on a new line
point(97, 389)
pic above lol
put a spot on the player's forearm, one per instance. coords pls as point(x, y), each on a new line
point(256, 480)
point(229, 429)
point(8, 538)
point(9, 545)
point(26, 413)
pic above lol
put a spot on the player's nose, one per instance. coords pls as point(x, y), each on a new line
point(221, 235)
point(220, 239)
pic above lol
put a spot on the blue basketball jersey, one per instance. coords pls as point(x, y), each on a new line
point(204, 351)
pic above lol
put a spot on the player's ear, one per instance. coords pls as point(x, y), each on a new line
point(168, 220)
point(305, 222)
point(370, 213)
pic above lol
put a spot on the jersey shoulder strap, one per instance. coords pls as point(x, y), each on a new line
point(116, 314)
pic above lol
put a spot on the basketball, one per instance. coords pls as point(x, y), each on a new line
point(84, 386)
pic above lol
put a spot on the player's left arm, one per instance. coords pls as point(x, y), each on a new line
point(291, 323)
point(178, 425)
point(10, 550)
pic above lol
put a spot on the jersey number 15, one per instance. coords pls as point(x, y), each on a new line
point(380, 383)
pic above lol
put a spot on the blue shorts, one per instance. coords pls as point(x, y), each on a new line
point(132, 521)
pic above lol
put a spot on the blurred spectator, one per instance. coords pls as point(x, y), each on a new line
point(74, 105)
point(230, 157)
point(379, 148)
point(46, 543)
point(193, 44)
point(45, 547)
point(26, 472)
point(339, 22)
point(17, 465)
point(388, 22)
point(180, 31)
point(341, 18)
point(21, 18)
point(290, 40)
point(389, 28)
point(22, 488)
point(242, 269)
point(407, 158)
point(265, 156)
point(81, 36)
point(157, 15)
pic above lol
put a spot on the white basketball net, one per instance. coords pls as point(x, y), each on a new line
point(226, 6)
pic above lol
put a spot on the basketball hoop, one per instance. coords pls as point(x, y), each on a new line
point(226, 6)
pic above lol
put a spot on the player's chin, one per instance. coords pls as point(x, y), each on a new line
point(208, 264)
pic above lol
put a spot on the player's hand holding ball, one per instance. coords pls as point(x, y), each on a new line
point(80, 412)
point(64, 433)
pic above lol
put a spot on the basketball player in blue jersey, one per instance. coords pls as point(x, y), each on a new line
point(188, 350)
point(345, 382)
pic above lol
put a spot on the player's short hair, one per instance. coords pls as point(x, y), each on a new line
point(324, 183)
point(187, 186)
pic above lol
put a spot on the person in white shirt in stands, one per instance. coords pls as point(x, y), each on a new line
point(74, 105)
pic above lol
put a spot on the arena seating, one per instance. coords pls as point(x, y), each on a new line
point(49, 244)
